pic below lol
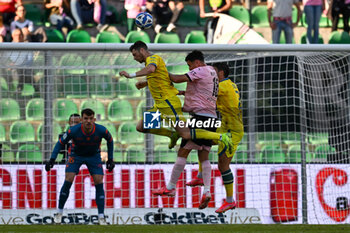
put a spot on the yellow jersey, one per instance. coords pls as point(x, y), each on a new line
point(159, 82)
point(229, 106)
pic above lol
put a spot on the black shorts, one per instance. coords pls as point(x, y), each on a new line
point(201, 142)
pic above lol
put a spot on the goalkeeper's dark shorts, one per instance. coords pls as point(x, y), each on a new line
point(93, 163)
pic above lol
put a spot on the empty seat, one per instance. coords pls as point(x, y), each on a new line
point(111, 128)
point(317, 138)
point(188, 17)
point(35, 109)
point(163, 154)
point(241, 155)
point(240, 13)
point(53, 35)
point(57, 130)
point(127, 88)
point(127, 133)
point(95, 61)
point(101, 87)
point(7, 155)
point(75, 87)
point(135, 154)
point(271, 154)
point(294, 154)
point(134, 36)
point(269, 138)
point(321, 152)
point(2, 133)
point(195, 37)
point(97, 106)
point(259, 16)
point(337, 37)
point(303, 39)
point(29, 153)
point(72, 64)
point(21, 131)
point(167, 37)
point(63, 108)
point(9, 110)
point(107, 37)
point(290, 138)
point(78, 36)
point(120, 110)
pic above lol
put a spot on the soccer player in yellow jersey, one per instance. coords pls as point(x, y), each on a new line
point(229, 105)
point(165, 97)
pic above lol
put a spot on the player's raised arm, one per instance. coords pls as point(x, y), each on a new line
point(66, 137)
point(141, 84)
point(143, 72)
point(179, 78)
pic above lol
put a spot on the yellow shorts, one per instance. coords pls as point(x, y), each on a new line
point(236, 139)
point(171, 109)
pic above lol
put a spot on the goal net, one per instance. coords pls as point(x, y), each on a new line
point(290, 167)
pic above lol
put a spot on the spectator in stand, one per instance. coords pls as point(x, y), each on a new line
point(59, 10)
point(216, 7)
point(27, 27)
point(134, 7)
point(337, 7)
point(164, 12)
point(8, 10)
point(281, 10)
point(2, 30)
point(89, 11)
point(313, 10)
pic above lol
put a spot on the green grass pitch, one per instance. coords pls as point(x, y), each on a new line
point(177, 228)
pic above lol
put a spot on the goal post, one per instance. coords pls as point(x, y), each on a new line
point(291, 167)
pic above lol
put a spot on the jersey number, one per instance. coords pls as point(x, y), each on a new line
point(215, 87)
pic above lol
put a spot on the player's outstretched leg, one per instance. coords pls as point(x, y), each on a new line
point(198, 181)
point(206, 172)
point(178, 168)
point(64, 194)
point(229, 203)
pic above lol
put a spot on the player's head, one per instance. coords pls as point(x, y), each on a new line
point(74, 119)
point(88, 119)
point(222, 69)
point(140, 51)
point(195, 59)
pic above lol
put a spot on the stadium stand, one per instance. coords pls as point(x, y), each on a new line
point(75, 87)
point(188, 17)
point(162, 154)
point(240, 13)
point(107, 37)
point(271, 154)
point(241, 155)
point(127, 133)
point(195, 37)
point(101, 86)
point(53, 35)
point(120, 110)
point(22, 131)
point(29, 153)
point(167, 37)
point(97, 106)
point(78, 36)
point(35, 109)
point(134, 36)
point(56, 131)
point(9, 110)
point(63, 108)
point(135, 154)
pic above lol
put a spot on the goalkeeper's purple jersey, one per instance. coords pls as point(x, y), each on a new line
point(85, 144)
point(202, 91)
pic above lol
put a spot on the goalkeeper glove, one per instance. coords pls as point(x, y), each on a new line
point(49, 164)
point(110, 165)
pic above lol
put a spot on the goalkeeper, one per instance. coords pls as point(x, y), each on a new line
point(86, 137)
point(165, 97)
point(229, 106)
